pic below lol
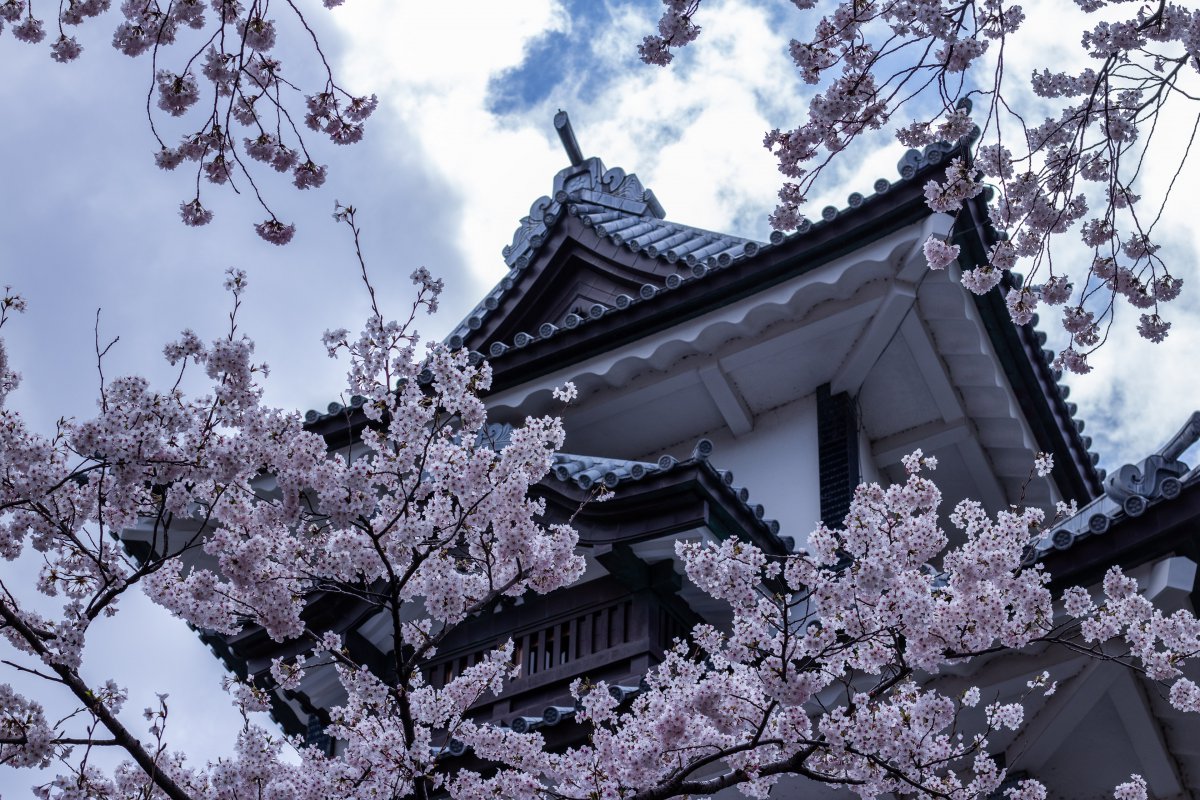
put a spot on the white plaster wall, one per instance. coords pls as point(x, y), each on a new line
point(776, 461)
point(868, 470)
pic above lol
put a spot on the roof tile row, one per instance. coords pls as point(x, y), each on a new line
point(589, 472)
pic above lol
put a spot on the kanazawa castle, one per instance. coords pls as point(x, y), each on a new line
point(730, 387)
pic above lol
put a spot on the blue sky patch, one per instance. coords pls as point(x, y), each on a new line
point(557, 60)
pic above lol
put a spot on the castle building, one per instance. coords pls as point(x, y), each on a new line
point(730, 387)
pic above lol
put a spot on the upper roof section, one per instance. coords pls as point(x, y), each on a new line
point(617, 205)
point(597, 276)
point(619, 209)
point(620, 252)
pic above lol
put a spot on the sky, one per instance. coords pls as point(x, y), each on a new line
point(461, 146)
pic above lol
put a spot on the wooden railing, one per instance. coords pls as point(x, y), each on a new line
point(600, 631)
point(557, 644)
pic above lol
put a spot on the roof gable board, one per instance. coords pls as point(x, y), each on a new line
point(576, 276)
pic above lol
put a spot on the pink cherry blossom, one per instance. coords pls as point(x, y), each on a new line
point(308, 175)
point(29, 30)
point(258, 33)
point(228, 61)
point(435, 527)
point(176, 93)
point(939, 254)
point(1153, 327)
point(194, 214)
point(275, 232)
point(65, 49)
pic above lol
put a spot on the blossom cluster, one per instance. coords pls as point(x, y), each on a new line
point(243, 515)
point(236, 73)
point(246, 514)
point(823, 671)
point(1077, 170)
point(675, 29)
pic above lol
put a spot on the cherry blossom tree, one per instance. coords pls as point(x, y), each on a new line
point(936, 70)
point(824, 672)
point(221, 52)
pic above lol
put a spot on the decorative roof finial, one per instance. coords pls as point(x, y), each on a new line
point(562, 123)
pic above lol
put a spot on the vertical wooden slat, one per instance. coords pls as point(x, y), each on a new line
point(587, 635)
point(600, 640)
point(642, 618)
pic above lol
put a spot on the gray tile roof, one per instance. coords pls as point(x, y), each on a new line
point(589, 472)
point(332, 410)
point(1160, 478)
point(617, 207)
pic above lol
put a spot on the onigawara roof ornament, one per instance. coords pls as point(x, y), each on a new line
point(1158, 475)
point(587, 182)
point(1128, 493)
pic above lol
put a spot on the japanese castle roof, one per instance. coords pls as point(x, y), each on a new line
point(1146, 510)
point(696, 472)
point(578, 479)
point(596, 265)
point(613, 214)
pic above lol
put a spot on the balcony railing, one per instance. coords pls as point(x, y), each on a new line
point(600, 630)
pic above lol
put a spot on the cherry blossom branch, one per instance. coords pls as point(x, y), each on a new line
point(237, 68)
point(120, 735)
point(1077, 170)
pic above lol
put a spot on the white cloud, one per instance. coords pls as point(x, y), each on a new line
point(692, 132)
point(1139, 393)
point(432, 69)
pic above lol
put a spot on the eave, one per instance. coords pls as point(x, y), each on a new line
point(675, 497)
point(1171, 527)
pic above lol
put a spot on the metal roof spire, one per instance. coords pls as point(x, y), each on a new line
point(562, 123)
